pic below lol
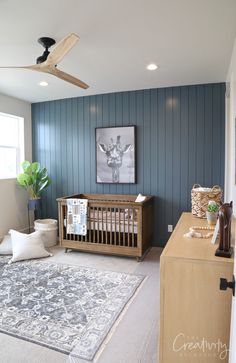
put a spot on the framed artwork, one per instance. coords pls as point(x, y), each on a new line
point(115, 154)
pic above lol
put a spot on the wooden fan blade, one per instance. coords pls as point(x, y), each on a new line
point(65, 76)
point(35, 67)
point(61, 49)
point(15, 67)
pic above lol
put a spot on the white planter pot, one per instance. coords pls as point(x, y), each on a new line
point(211, 217)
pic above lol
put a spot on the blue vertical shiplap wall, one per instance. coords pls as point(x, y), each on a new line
point(180, 141)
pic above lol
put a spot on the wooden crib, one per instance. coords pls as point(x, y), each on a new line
point(116, 224)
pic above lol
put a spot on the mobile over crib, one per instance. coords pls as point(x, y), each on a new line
point(116, 224)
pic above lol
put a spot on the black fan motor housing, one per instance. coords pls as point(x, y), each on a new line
point(46, 43)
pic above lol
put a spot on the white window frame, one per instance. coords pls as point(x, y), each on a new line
point(20, 147)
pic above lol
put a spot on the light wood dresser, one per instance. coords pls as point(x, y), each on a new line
point(194, 312)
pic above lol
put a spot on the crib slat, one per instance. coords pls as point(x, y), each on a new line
point(124, 242)
point(102, 226)
point(67, 235)
point(66, 220)
point(98, 226)
point(90, 224)
point(119, 226)
point(94, 219)
point(106, 225)
point(128, 227)
point(85, 237)
point(64, 216)
point(133, 211)
point(115, 224)
point(110, 226)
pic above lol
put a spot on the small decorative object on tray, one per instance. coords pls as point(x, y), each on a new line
point(212, 212)
point(201, 196)
point(225, 215)
point(194, 232)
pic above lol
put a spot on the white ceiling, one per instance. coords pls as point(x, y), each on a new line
point(191, 41)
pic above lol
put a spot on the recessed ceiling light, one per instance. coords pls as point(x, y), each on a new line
point(152, 67)
point(43, 83)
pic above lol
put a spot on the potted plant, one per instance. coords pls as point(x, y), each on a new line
point(34, 179)
point(212, 212)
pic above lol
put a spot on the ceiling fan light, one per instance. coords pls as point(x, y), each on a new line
point(43, 84)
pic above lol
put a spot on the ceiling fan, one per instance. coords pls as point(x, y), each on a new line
point(48, 61)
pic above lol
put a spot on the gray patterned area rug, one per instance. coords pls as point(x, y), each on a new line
point(67, 308)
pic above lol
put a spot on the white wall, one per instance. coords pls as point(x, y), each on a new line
point(13, 199)
point(230, 157)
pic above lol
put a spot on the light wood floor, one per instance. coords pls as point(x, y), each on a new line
point(134, 339)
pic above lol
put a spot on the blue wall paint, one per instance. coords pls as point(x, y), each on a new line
point(180, 141)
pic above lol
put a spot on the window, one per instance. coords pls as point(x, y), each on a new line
point(11, 145)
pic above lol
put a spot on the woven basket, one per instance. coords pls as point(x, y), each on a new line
point(201, 198)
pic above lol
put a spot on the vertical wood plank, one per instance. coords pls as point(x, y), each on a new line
point(75, 147)
point(119, 122)
point(192, 132)
point(147, 142)
point(139, 140)
point(92, 111)
point(87, 145)
point(81, 141)
point(133, 121)
point(160, 224)
point(52, 140)
point(185, 188)
point(169, 155)
point(200, 135)
point(216, 135)
point(64, 156)
point(222, 133)
point(208, 152)
point(69, 146)
point(112, 122)
point(99, 123)
point(177, 139)
point(105, 123)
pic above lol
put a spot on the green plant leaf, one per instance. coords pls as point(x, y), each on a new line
point(213, 208)
point(43, 173)
point(35, 167)
point(49, 181)
point(26, 166)
point(43, 185)
point(24, 180)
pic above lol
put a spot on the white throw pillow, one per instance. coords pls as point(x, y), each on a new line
point(6, 246)
point(27, 246)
